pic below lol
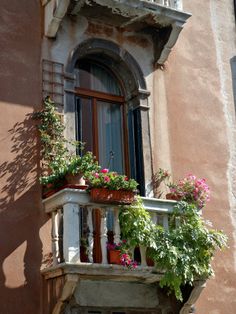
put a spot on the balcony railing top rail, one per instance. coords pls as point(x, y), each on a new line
point(75, 219)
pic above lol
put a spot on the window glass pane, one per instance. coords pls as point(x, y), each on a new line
point(110, 136)
point(85, 122)
point(96, 77)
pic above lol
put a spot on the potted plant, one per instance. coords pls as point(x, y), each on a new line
point(138, 228)
point(114, 253)
point(60, 167)
point(78, 167)
point(110, 187)
point(119, 254)
point(190, 189)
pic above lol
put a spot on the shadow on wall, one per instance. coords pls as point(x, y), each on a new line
point(21, 218)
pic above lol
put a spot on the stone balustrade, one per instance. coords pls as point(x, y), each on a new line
point(74, 220)
point(175, 4)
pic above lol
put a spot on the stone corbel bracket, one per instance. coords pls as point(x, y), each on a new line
point(54, 12)
point(198, 286)
point(71, 281)
point(162, 54)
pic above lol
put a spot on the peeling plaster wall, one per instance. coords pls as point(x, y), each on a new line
point(194, 114)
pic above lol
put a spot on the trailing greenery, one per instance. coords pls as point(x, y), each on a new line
point(57, 160)
point(136, 225)
point(184, 252)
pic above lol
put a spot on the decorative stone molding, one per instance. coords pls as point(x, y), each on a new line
point(120, 61)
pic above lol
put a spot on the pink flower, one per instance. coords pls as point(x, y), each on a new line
point(107, 179)
point(105, 170)
point(126, 178)
point(96, 175)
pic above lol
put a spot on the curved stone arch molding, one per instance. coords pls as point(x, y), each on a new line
point(125, 67)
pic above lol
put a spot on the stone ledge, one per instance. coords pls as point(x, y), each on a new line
point(57, 200)
point(103, 272)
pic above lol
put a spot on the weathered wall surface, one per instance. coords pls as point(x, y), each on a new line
point(192, 115)
point(192, 123)
point(194, 118)
point(20, 195)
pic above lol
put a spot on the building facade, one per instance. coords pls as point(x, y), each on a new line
point(159, 77)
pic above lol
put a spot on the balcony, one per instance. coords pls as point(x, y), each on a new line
point(162, 20)
point(74, 218)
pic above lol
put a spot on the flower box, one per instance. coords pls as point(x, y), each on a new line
point(106, 196)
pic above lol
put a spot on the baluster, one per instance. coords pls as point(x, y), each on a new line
point(131, 250)
point(71, 229)
point(143, 250)
point(90, 234)
point(165, 222)
point(176, 4)
point(60, 234)
point(55, 238)
point(116, 225)
point(154, 217)
point(166, 3)
point(103, 235)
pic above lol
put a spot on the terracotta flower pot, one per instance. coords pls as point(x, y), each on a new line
point(75, 181)
point(114, 256)
point(105, 196)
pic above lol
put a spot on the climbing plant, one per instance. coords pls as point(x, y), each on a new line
point(54, 150)
point(57, 158)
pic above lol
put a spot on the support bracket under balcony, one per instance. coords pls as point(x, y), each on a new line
point(163, 22)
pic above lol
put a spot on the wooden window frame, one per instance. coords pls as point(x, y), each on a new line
point(94, 96)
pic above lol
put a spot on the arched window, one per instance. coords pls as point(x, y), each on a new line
point(106, 91)
point(101, 115)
